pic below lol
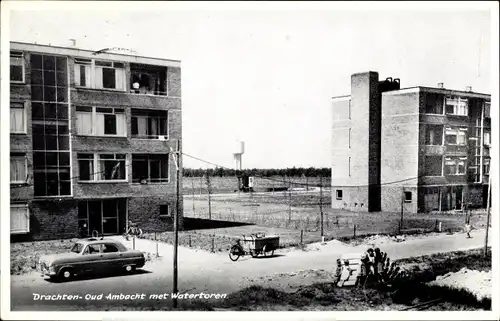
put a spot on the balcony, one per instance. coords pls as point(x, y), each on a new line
point(148, 80)
point(434, 149)
point(456, 149)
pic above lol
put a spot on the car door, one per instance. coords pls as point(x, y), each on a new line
point(91, 258)
point(111, 256)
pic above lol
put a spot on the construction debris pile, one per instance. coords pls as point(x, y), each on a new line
point(377, 240)
point(477, 282)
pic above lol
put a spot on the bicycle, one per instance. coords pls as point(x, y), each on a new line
point(255, 244)
point(132, 230)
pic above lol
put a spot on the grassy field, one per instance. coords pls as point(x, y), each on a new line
point(273, 211)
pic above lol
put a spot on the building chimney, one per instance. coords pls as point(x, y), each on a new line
point(440, 85)
point(468, 88)
point(73, 42)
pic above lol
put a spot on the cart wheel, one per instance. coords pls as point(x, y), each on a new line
point(234, 253)
point(254, 253)
point(267, 252)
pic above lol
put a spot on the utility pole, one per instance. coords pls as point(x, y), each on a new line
point(289, 199)
point(209, 191)
point(321, 208)
point(488, 205)
point(177, 157)
point(402, 209)
point(192, 187)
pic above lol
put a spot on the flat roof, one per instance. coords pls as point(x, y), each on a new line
point(86, 53)
point(436, 90)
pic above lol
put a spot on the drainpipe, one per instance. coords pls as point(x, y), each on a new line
point(481, 146)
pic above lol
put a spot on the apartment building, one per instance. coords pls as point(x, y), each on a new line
point(91, 141)
point(419, 149)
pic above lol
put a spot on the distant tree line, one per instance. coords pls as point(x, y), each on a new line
point(290, 172)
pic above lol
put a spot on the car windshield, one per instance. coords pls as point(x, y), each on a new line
point(77, 248)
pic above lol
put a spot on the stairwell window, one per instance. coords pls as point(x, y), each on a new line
point(101, 121)
point(99, 74)
point(338, 194)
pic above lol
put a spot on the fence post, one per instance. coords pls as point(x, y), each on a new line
point(213, 243)
point(156, 241)
point(189, 239)
point(133, 242)
point(301, 236)
point(354, 230)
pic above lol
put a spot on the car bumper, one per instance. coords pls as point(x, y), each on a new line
point(46, 271)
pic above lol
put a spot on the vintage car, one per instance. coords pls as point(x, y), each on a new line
point(91, 256)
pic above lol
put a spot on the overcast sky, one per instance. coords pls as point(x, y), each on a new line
point(266, 77)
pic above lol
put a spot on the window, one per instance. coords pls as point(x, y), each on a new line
point(93, 249)
point(150, 168)
point(407, 197)
point(456, 136)
point(434, 135)
point(99, 74)
point(19, 219)
point(17, 118)
point(148, 80)
point(487, 109)
point(349, 166)
point(165, 210)
point(50, 121)
point(109, 248)
point(457, 106)
point(434, 104)
point(101, 167)
point(349, 109)
point(100, 121)
point(455, 165)
point(338, 194)
point(16, 66)
point(149, 124)
point(433, 166)
point(486, 166)
point(350, 137)
point(487, 141)
point(18, 168)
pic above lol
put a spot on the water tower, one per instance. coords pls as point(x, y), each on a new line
point(238, 151)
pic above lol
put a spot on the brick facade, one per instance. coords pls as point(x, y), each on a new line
point(57, 217)
point(384, 161)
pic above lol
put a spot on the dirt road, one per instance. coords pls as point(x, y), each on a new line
point(201, 271)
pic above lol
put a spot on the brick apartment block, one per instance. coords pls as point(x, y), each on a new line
point(421, 149)
point(90, 140)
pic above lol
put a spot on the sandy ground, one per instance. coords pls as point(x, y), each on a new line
point(477, 282)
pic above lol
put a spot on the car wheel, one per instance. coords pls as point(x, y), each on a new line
point(65, 274)
point(130, 268)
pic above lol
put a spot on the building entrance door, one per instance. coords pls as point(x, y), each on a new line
point(106, 217)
